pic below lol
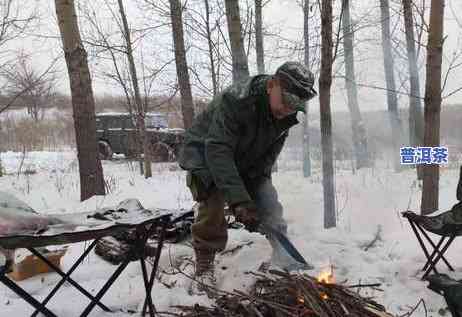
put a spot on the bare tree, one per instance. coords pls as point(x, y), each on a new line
point(207, 47)
point(18, 93)
point(392, 99)
point(416, 124)
point(141, 111)
point(109, 49)
point(187, 105)
point(240, 65)
point(105, 49)
point(35, 90)
point(259, 48)
point(9, 72)
point(305, 134)
point(83, 103)
point(14, 22)
point(210, 46)
point(361, 152)
point(325, 82)
point(202, 21)
point(430, 190)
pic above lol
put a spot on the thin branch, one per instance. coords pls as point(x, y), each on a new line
point(30, 86)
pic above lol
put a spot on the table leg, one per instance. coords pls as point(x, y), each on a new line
point(66, 277)
point(24, 295)
point(160, 244)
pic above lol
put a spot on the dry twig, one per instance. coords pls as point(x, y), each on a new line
point(281, 294)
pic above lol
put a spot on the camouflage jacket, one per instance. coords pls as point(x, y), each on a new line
point(235, 140)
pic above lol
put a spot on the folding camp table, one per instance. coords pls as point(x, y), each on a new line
point(143, 224)
point(444, 225)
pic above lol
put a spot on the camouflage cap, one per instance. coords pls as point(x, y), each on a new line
point(298, 80)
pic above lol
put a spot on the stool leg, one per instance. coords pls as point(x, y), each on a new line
point(435, 251)
point(419, 239)
point(440, 255)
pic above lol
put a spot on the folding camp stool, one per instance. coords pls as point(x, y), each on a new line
point(142, 231)
point(440, 226)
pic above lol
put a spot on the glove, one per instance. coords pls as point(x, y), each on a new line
point(246, 213)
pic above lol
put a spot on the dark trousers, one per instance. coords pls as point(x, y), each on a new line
point(209, 230)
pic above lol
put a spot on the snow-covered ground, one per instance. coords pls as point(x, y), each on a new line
point(368, 201)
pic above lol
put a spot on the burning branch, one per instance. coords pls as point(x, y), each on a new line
point(284, 294)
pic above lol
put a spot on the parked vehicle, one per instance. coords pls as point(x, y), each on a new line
point(116, 133)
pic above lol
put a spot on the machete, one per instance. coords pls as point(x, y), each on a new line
point(269, 230)
point(286, 244)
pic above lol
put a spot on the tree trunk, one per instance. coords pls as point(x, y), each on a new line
point(187, 105)
point(210, 47)
point(459, 186)
point(139, 103)
point(33, 109)
point(259, 37)
point(433, 104)
point(357, 125)
point(392, 99)
point(260, 52)
point(240, 66)
point(83, 103)
point(325, 82)
point(416, 123)
point(305, 130)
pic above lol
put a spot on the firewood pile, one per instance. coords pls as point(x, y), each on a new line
point(279, 294)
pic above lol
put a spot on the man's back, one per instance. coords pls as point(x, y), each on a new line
point(236, 134)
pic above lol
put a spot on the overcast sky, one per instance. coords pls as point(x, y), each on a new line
point(284, 15)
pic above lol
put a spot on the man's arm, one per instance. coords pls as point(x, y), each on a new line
point(264, 166)
point(220, 146)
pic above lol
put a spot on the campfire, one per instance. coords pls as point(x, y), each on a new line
point(278, 294)
point(326, 276)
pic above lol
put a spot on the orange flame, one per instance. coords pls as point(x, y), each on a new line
point(326, 276)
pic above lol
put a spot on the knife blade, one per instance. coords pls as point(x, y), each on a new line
point(285, 243)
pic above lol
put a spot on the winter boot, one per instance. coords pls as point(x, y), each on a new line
point(204, 282)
